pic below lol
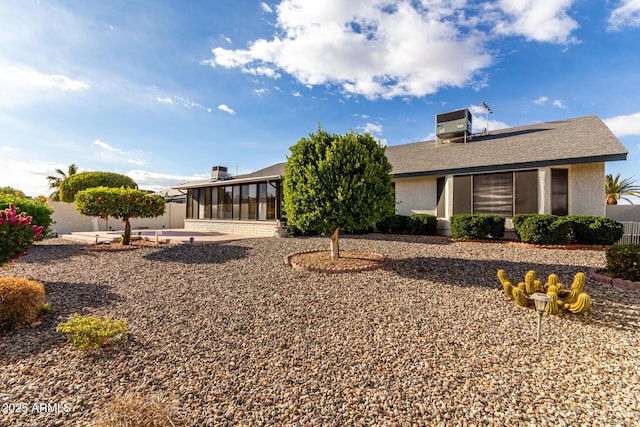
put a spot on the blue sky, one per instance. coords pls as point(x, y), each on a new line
point(164, 90)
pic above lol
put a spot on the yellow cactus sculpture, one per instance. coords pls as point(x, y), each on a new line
point(574, 300)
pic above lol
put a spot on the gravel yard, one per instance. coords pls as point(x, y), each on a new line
point(230, 335)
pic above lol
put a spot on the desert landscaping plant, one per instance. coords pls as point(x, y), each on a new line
point(336, 182)
point(623, 261)
point(574, 300)
point(616, 189)
point(38, 209)
point(17, 234)
point(21, 301)
point(87, 332)
point(72, 185)
point(124, 203)
point(139, 410)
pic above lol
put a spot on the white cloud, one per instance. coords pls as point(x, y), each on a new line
point(185, 102)
point(226, 109)
point(107, 147)
point(542, 21)
point(296, 94)
point(541, 101)
point(622, 126)
point(559, 104)
point(371, 128)
point(367, 48)
point(627, 14)
point(166, 100)
point(261, 91)
point(266, 8)
point(136, 162)
point(158, 181)
point(23, 85)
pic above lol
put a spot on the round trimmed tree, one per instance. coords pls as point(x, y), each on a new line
point(334, 182)
point(124, 203)
point(71, 185)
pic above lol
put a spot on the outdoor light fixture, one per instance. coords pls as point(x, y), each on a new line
point(97, 238)
point(191, 240)
point(540, 300)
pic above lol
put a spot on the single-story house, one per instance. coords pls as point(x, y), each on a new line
point(554, 167)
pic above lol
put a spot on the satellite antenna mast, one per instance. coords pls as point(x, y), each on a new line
point(488, 111)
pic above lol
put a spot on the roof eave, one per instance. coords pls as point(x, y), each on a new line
point(233, 181)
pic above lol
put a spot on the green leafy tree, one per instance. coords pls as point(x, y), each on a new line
point(12, 191)
point(84, 180)
point(334, 182)
point(124, 203)
point(37, 209)
point(55, 180)
point(616, 189)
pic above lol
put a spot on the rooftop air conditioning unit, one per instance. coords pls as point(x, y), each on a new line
point(452, 125)
point(219, 173)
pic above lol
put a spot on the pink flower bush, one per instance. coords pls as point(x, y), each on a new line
point(17, 234)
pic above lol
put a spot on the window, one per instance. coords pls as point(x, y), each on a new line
point(559, 191)
point(502, 193)
point(214, 202)
point(248, 202)
point(493, 194)
point(236, 202)
point(440, 185)
point(272, 194)
point(227, 202)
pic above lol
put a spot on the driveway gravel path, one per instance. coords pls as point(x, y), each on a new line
point(229, 335)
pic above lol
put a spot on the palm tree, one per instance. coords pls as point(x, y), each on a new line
point(616, 189)
point(54, 181)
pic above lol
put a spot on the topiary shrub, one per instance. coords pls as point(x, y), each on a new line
point(595, 230)
point(542, 229)
point(623, 261)
point(394, 224)
point(21, 301)
point(72, 185)
point(86, 332)
point(422, 224)
point(39, 211)
point(518, 220)
point(477, 226)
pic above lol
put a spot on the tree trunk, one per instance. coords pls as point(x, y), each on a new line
point(126, 237)
point(335, 246)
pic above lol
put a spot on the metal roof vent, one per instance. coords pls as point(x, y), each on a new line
point(454, 125)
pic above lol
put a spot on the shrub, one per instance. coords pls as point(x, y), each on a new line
point(394, 224)
point(477, 226)
point(423, 224)
point(37, 209)
point(73, 184)
point(595, 230)
point(545, 229)
point(21, 301)
point(623, 261)
point(139, 410)
point(16, 234)
point(518, 220)
point(86, 332)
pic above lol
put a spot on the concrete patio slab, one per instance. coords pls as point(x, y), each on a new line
point(172, 236)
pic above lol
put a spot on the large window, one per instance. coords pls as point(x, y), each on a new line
point(259, 201)
point(503, 193)
point(440, 187)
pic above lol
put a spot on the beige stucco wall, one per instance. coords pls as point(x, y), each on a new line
point(416, 195)
point(66, 219)
point(630, 213)
point(586, 189)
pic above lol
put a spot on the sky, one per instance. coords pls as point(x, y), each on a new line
point(164, 90)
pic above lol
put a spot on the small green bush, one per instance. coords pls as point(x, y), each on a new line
point(21, 301)
point(518, 220)
point(623, 261)
point(477, 226)
point(72, 185)
point(422, 224)
point(595, 230)
point(394, 224)
point(545, 230)
point(86, 332)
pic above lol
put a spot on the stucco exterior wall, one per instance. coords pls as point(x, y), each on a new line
point(586, 189)
point(416, 195)
point(256, 228)
point(627, 213)
point(66, 219)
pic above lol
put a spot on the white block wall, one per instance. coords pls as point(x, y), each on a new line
point(256, 228)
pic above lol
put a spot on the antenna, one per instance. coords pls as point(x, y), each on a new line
point(488, 111)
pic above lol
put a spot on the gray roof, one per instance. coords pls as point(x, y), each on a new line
point(580, 140)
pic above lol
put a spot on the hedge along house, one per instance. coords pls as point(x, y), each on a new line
point(554, 167)
point(548, 168)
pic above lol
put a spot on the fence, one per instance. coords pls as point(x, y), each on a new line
point(631, 233)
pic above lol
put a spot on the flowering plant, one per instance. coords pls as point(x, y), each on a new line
point(17, 234)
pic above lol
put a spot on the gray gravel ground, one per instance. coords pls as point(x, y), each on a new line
point(229, 335)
